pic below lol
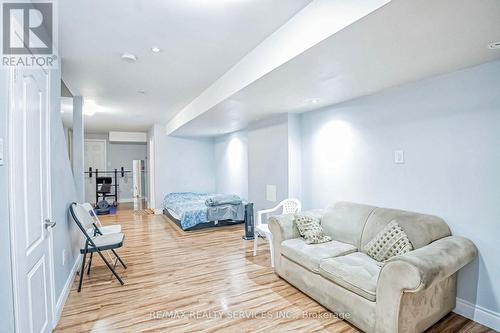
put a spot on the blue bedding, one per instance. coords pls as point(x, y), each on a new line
point(190, 208)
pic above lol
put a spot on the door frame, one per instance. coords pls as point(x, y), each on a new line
point(13, 145)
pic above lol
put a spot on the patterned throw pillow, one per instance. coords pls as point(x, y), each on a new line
point(390, 242)
point(310, 228)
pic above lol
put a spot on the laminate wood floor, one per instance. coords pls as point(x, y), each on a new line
point(203, 281)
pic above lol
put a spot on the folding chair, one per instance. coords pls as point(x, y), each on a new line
point(108, 229)
point(97, 243)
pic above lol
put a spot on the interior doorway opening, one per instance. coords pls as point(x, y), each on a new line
point(139, 178)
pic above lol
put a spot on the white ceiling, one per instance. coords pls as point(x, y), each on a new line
point(404, 41)
point(316, 22)
point(200, 40)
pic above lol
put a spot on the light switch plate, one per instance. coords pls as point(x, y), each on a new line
point(271, 193)
point(1, 151)
point(399, 157)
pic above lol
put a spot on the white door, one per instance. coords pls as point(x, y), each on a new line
point(137, 178)
point(151, 160)
point(95, 158)
point(29, 174)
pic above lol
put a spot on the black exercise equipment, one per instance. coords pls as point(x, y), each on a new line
point(103, 190)
point(107, 186)
point(102, 207)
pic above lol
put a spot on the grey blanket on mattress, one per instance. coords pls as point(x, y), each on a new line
point(223, 199)
point(226, 212)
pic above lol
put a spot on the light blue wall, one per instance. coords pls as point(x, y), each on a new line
point(231, 164)
point(182, 164)
point(267, 153)
point(6, 301)
point(268, 160)
point(78, 133)
point(294, 156)
point(449, 129)
point(66, 237)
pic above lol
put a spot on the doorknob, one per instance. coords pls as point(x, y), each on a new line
point(50, 223)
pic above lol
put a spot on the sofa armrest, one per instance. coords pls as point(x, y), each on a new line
point(416, 271)
point(283, 227)
point(436, 261)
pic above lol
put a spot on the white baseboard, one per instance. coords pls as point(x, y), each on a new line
point(477, 313)
point(67, 288)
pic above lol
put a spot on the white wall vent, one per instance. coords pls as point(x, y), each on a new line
point(128, 137)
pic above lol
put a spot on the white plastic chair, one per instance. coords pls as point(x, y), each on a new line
point(287, 206)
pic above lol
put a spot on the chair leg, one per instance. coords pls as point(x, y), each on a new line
point(82, 271)
point(255, 239)
point(109, 256)
point(114, 261)
point(111, 268)
point(271, 248)
point(119, 259)
point(90, 263)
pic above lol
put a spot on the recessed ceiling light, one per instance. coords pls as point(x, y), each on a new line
point(493, 46)
point(129, 57)
point(155, 49)
point(90, 108)
point(315, 100)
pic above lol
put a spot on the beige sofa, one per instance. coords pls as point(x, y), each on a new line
point(408, 293)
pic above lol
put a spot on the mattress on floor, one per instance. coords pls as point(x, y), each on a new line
point(190, 209)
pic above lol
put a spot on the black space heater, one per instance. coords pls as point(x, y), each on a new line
point(249, 222)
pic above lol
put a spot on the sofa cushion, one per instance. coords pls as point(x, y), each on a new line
point(389, 242)
point(356, 272)
point(310, 255)
point(310, 228)
point(345, 221)
point(421, 229)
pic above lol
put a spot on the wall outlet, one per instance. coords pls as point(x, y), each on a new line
point(271, 193)
point(399, 157)
point(64, 257)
